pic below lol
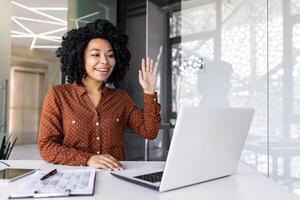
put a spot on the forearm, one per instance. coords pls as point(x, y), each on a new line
point(146, 123)
point(54, 152)
point(151, 115)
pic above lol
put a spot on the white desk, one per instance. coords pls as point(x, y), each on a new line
point(247, 184)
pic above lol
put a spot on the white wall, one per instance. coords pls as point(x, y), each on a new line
point(37, 59)
point(5, 41)
point(5, 49)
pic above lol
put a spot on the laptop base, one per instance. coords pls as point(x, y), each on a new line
point(136, 182)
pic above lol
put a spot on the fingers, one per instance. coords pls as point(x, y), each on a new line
point(148, 75)
point(151, 65)
point(103, 165)
point(105, 161)
point(142, 70)
point(143, 65)
point(108, 162)
point(115, 161)
point(148, 65)
point(155, 69)
point(140, 76)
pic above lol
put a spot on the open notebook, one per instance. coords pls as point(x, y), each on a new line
point(79, 182)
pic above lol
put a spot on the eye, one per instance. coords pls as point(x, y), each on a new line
point(111, 55)
point(95, 55)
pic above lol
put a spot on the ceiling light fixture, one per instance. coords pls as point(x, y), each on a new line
point(38, 20)
point(38, 12)
point(49, 8)
point(39, 36)
point(80, 19)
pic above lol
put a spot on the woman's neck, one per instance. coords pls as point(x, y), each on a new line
point(91, 85)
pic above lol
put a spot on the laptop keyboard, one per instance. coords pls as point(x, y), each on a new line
point(153, 177)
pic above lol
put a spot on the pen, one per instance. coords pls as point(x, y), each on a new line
point(51, 173)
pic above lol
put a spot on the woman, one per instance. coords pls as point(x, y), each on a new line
point(83, 122)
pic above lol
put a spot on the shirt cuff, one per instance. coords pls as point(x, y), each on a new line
point(151, 105)
point(149, 98)
point(82, 158)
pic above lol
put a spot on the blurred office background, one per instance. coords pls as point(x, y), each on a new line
point(238, 53)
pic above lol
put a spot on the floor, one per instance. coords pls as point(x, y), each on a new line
point(25, 152)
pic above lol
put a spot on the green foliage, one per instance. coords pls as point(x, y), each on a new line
point(6, 147)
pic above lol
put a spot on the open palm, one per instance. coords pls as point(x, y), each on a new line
point(148, 75)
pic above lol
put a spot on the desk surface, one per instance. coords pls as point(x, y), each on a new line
point(246, 184)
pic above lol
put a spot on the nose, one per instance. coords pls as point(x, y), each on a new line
point(103, 59)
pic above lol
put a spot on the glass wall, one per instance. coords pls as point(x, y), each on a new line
point(230, 40)
point(80, 12)
point(239, 53)
point(284, 92)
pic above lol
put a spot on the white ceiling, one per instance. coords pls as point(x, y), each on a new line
point(38, 23)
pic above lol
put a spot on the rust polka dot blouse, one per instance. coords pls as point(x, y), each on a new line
point(72, 128)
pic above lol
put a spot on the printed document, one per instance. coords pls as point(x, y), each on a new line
point(63, 183)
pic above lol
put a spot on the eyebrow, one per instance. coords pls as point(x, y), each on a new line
point(94, 49)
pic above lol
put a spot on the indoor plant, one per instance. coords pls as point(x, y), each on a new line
point(6, 147)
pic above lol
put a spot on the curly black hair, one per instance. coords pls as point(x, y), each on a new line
point(71, 52)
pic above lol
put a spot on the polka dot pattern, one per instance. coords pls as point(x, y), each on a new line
point(72, 128)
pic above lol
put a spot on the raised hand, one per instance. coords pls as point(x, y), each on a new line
point(148, 75)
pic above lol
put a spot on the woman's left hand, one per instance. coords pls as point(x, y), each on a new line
point(148, 75)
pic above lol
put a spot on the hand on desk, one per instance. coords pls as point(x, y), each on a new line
point(104, 161)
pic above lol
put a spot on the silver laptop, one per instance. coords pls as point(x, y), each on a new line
point(206, 145)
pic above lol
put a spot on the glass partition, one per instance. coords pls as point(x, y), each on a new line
point(284, 91)
point(80, 12)
point(233, 46)
point(157, 48)
point(238, 53)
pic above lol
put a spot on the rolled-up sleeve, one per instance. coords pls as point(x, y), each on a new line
point(51, 135)
point(147, 122)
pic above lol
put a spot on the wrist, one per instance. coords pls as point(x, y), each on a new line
point(149, 92)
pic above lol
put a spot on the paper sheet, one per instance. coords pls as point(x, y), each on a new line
point(76, 182)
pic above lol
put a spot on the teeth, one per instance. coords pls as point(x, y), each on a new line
point(102, 70)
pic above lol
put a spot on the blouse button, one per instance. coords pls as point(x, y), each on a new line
point(154, 99)
point(97, 123)
point(117, 119)
point(73, 122)
point(98, 152)
point(97, 138)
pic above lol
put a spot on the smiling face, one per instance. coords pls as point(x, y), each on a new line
point(99, 60)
